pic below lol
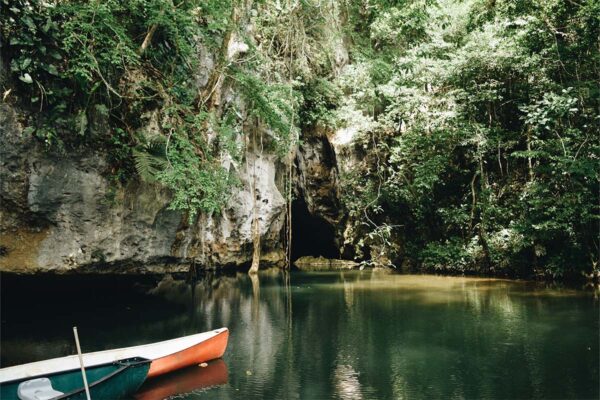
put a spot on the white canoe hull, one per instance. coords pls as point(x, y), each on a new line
point(164, 355)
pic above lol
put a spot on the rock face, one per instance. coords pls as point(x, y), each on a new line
point(317, 180)
point(227, 239)
point(323, 264)
point(63, 213)
point(324, 156)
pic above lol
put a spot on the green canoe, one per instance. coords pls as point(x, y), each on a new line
point(110, 381)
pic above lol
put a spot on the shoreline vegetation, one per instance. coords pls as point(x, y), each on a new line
point(197, 273)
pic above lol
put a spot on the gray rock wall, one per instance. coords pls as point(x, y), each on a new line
point(61, 213)
point(317, 177)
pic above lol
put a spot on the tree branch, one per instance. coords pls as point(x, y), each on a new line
point(148, 38)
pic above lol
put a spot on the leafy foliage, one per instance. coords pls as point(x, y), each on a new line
point(271, 105)
point(150, 159)
point(320, 99)
point(478, 142)
point(475, 122)
point(122, 76)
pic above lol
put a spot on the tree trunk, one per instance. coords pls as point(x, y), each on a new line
point(529, 160)
point(255, 222)
point(255, 244)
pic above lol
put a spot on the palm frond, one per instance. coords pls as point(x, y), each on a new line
point(150, 159)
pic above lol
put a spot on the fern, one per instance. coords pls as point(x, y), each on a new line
point(150, 159)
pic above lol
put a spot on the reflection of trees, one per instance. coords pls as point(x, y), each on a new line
point(455, 339)
point(253, 307)
point(418, 337)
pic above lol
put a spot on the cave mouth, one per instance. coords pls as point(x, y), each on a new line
point(311, 235)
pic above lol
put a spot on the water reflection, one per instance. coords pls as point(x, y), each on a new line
point(194, 379)
point(347, 385)
point(352, 335)
point(366, 335)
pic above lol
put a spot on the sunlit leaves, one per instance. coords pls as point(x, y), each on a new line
point(484, 141)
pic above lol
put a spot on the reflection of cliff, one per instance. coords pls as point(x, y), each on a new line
point(253, 308)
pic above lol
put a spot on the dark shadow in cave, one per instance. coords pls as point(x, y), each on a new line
point(311, 235)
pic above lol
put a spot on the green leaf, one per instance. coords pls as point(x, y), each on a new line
point(26, 62)
point(47, 25)
point(14, 66)
point(56, 55)
point(52, 70)
point(102, 110)
point(30, 24)
point(26, 78)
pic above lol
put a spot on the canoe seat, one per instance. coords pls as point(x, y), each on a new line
point(37, 389)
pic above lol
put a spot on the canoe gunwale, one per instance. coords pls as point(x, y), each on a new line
point(98, 382)
point(124, 363)
point(124, 366)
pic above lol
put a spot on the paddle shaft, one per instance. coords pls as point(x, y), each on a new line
point(85, 382)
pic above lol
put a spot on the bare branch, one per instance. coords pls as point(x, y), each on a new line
point(148, 38)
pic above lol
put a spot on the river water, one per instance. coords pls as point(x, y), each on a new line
point(350, 335)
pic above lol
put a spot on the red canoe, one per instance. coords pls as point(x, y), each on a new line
point(175, 354)
point(166, 356)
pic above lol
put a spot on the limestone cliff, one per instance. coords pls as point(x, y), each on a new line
point(65, 211)
point(324, 156)
point(62, 213)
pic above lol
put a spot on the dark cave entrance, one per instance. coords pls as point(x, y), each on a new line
point(311, 235)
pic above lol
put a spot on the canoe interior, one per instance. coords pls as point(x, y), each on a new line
point(108, 381)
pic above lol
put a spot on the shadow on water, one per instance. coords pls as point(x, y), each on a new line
point(350, 335)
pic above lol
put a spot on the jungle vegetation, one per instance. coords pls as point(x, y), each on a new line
point(483, 122)
point(476, 120)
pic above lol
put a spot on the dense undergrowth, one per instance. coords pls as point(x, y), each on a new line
point(480, 128)
point(477, 121)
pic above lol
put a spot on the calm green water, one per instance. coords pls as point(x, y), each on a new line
point(357, 335)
